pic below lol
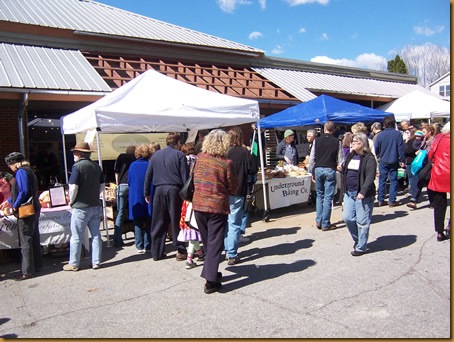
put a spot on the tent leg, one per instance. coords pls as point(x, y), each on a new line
point(104, 217)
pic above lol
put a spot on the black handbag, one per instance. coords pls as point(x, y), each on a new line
point(424, 174)
point(187, 191)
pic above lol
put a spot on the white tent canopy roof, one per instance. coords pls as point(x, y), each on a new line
point(153, 102)
point(418, 105)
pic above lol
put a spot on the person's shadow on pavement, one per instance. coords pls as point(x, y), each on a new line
point(390, 243)
point(251, 274)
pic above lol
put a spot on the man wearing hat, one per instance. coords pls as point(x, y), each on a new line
point(85, 185)
point(286, 149)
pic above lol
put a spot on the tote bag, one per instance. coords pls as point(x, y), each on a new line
point(418, 162)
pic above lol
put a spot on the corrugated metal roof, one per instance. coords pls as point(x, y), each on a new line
point(301, 83)
point(90, 16)
point(31, 67)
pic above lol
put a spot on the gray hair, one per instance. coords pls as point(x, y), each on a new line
point(364, 141)
point(446, 128)
point(216, 143)
point(376, 125)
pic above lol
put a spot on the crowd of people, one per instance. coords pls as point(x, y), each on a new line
point(149, 180)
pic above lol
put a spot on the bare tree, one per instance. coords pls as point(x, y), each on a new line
point(428, 62)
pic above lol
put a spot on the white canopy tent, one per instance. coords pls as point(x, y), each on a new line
point(153, 102)
point(418, 105)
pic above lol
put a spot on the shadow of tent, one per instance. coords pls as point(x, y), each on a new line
point(390, 243)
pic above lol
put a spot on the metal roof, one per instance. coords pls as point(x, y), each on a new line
point(31, 67)
point(301, 84)
point(92, 17)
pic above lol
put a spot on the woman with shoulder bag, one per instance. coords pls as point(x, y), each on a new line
point(440, 177)
point(25, 190)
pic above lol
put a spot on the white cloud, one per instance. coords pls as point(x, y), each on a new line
point(305, 2)
point(302, 30)
point(277, 50)
point(262, 4)
point(255, 35)
point(229, 6)
point(324, 36)
point(365, 61)
point(427, 31)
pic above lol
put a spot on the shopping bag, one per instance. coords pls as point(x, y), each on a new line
point(190, 217)
point(418, 162)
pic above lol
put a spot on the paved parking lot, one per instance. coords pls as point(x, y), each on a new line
point(294, 281)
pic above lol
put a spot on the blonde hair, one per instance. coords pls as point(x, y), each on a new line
point(143, 151)
point(18, 165)
point(359, 127)
point(216, 143)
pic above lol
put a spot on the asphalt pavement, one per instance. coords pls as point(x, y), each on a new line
point(293, 281)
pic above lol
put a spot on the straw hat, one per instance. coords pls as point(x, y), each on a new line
point(82, 147)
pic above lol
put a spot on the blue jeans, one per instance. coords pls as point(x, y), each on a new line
point(122, 206)
point(384, 170)
point(142, 233)
point(357, 216)
point(325, 185)
point(232, 234)
point(244, 219)
point(415, 191)
point(80, 219)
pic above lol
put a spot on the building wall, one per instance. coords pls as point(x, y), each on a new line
point(9, 139)
point(445, 83)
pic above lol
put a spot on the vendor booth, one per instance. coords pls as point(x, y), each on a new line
point(153, 102)
point(286, 188)
point(54, 228)
point(419, 105)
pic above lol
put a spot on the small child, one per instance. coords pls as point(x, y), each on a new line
point(192, 237)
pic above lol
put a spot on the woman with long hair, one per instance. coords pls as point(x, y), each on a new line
point(25, 190)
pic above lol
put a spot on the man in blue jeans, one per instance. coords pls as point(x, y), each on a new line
point(85, 185)
point(390, 152)
point(326, 157)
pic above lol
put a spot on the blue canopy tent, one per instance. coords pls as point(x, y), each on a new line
point(321, 109)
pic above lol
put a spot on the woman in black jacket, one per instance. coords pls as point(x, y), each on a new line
point(358, 173)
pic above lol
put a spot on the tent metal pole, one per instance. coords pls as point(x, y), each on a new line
point(64, 155)
point(262, 167)
point(104, 217)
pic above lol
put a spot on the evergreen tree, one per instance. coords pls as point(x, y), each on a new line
point(397, 65)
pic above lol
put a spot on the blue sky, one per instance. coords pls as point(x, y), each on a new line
point(357, 33)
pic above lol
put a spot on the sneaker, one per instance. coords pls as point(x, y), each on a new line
point(244, 239)
point(201, 257)
point(330, 227)
point(96, 266)
point(233, 261)
point(357, 253)
point(140, 251)
point(70, 267)
point(190, 265)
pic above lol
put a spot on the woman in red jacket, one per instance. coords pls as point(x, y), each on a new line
point(440, 179)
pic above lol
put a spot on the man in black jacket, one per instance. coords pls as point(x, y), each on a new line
point(325, 158)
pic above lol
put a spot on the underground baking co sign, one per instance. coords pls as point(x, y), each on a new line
point(283, 192)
